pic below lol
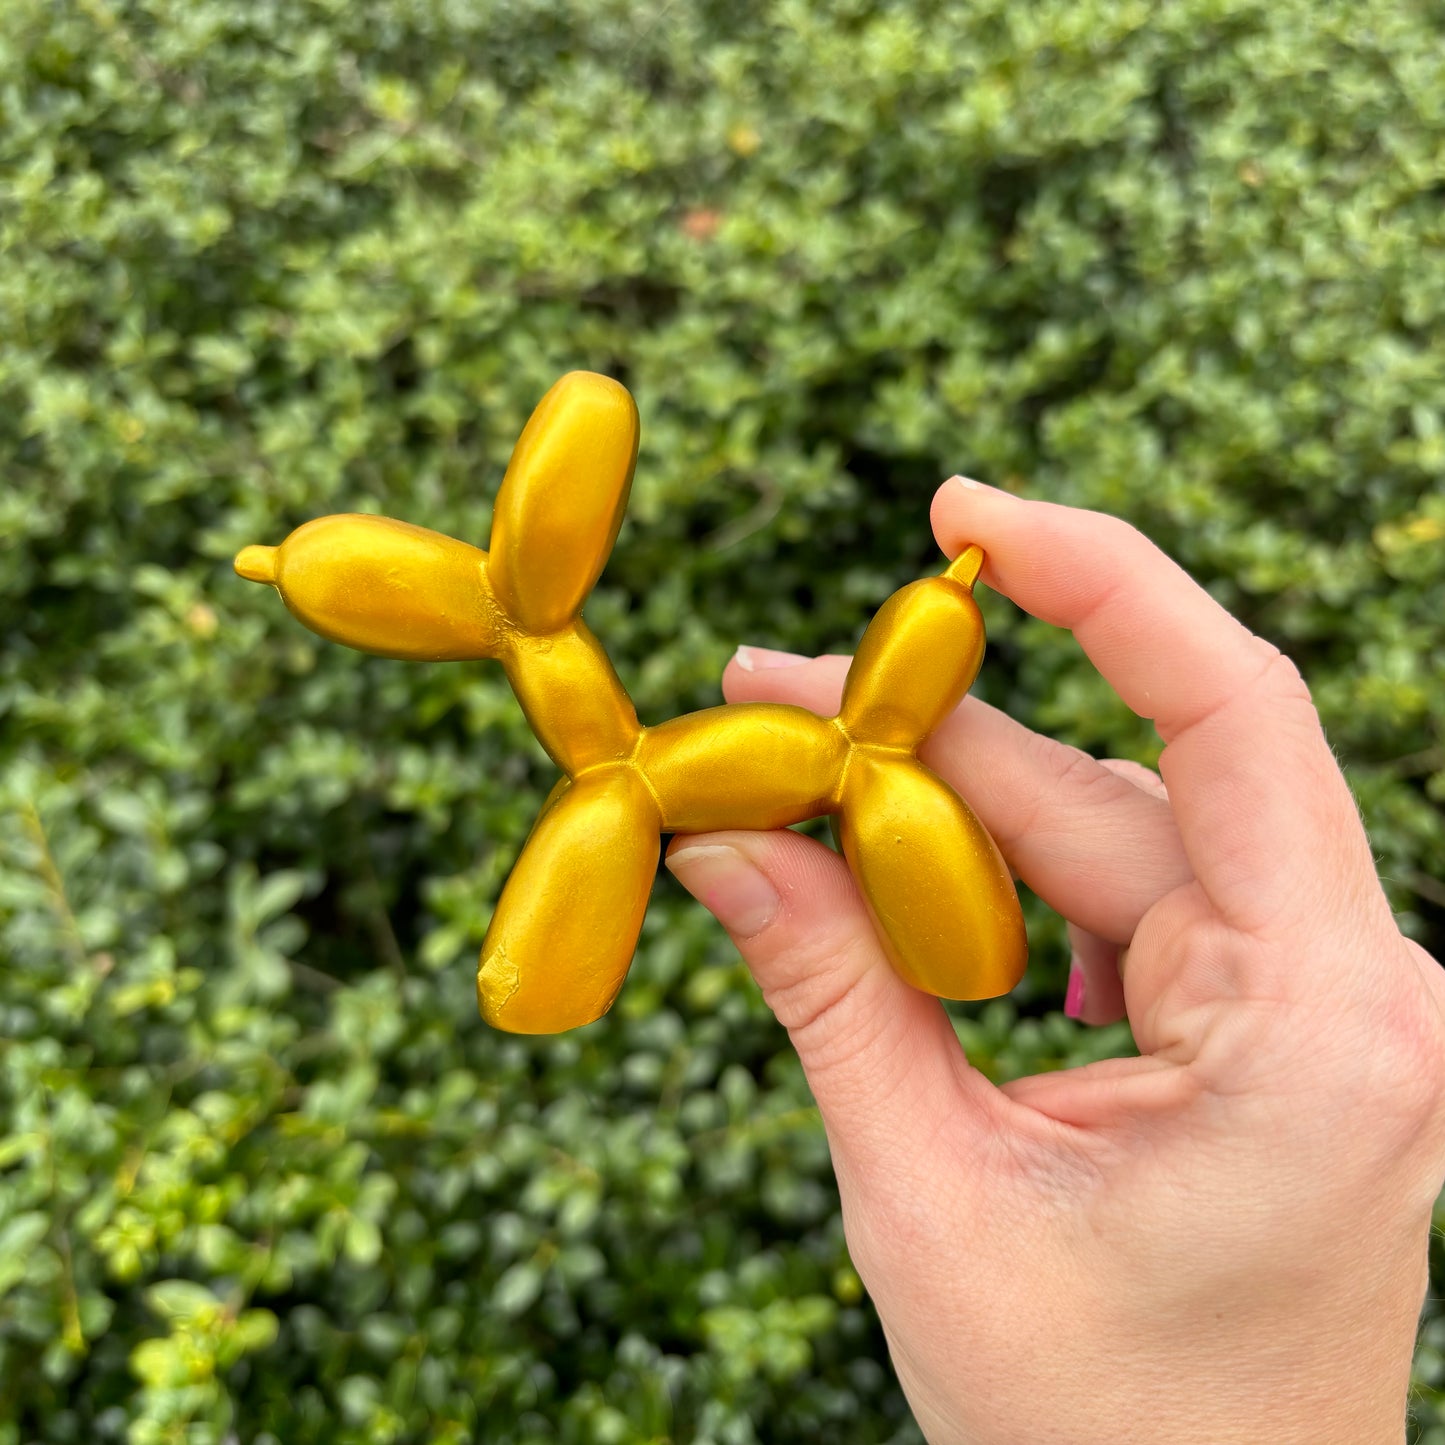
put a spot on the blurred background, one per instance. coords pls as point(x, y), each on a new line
point(264, 1175)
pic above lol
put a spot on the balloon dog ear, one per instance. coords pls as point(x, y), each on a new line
point(562, 500)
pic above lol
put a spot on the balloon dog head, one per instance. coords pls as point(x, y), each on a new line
point(566, 925)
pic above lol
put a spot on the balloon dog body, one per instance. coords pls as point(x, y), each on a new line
point(566, 926)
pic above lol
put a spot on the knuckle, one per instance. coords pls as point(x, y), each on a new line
point(1121, 540)
point(1139, 774)
point(1076, 772)
point(1074, 769)
point(1419, 1047)
point(1402, 1066)
point(1121, 533)
point(817, 1004)
point(1279, 675)
point(1076, 777)
point(831, 990)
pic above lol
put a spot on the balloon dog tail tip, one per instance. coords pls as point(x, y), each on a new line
point(964, 568)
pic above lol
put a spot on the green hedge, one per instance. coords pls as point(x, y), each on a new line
point(264, 1176)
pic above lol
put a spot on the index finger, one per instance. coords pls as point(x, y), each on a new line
point(1266, 816)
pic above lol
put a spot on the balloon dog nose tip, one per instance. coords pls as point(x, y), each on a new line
point(257, 564)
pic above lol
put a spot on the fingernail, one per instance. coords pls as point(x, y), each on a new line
point(727, 884)
point(760, 659)
point(1074, 998)
point(969, 484)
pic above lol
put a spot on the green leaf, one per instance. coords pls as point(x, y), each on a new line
point(18, 1238)
point(181, 1299)
point(517, 1290)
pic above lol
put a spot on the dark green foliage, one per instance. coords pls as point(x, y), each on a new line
point(263, 1173)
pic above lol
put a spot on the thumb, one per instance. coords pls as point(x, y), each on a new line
point(881, 1058)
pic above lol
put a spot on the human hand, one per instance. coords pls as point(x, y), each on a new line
point(1223, 1239)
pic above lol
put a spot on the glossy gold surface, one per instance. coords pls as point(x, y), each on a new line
point(566, 925)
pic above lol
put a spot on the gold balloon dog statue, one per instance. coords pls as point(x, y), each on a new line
point(566, 925)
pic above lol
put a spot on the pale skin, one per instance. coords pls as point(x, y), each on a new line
point(1223, 1239)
